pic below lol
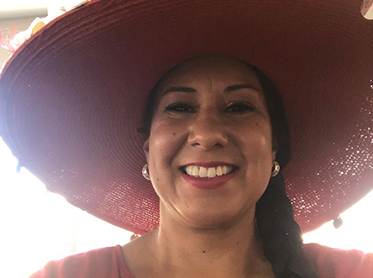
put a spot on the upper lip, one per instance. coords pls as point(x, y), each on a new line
point(208, 164)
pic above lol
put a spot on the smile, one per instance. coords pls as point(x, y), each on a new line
point(208, 175)
point(206, 172)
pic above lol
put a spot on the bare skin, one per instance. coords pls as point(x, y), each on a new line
point(206, 232)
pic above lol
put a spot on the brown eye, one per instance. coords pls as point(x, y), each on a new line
point(180, 107)
point(240, 107)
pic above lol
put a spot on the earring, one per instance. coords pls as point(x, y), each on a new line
point(276, 169)
point(134, 236)
point(145, 172)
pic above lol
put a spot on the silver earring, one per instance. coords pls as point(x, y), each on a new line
point(276, 169)
point(145, 172)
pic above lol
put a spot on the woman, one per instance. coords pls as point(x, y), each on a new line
point(210, 144)
point(214, 133)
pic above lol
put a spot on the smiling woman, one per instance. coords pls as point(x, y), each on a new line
point(221, 197)
point(206, 115)
point(204, 129)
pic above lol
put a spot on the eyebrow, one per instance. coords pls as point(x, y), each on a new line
point(239, 87)
point(229, 89)
point(181, 89)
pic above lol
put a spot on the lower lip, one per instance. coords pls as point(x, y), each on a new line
point(211, 183)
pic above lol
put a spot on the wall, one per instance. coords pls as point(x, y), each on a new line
point(6, 26)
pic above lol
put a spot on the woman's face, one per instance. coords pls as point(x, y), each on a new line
point(210, 118)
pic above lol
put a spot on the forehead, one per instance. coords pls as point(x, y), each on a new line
point(222, 71)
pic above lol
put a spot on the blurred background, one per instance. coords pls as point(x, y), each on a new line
point(37, 226)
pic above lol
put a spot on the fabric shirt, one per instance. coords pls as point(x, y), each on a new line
point(110, 263)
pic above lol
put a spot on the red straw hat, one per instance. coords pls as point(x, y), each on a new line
point(73, 96)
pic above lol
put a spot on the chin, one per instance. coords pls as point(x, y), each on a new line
point(211, 219)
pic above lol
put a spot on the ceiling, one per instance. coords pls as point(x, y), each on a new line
point(23, 8)
point(34, 8)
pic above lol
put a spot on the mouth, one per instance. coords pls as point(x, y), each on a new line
point(208, 171)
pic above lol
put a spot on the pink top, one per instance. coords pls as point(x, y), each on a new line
point(110, 263)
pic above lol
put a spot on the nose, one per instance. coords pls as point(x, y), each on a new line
point(208, 131)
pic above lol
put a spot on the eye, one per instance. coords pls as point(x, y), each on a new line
point(180, 107)
point(239, 107)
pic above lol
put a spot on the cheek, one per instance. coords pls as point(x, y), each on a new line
point(259, 135)
point(258, 156)
point(164, 143)
point(257, 144)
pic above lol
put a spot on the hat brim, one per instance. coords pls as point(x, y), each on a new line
point(73, 96)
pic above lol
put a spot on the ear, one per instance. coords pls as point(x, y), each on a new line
point(145, 148)
point(274, 149)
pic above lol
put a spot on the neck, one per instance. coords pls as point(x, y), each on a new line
point(234, 250)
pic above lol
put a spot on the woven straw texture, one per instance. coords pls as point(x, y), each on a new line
point(73, 96)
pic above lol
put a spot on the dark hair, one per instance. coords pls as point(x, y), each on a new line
point(280, 233)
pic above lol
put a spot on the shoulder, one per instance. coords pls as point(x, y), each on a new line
point(336, 263)
point(104, 262)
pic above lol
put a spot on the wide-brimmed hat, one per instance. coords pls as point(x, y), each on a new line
point(73, 96)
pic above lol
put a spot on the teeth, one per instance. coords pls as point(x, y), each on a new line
point(224, 170)
point(189, 170)
point(219, 171)
point(195, 171)
point(211, 172)
point(202, 172)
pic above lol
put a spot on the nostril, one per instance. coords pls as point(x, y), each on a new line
point(207, 136)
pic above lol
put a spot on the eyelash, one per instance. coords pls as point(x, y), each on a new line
point(243, 106)
point(179, 107)
point(240, 106)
